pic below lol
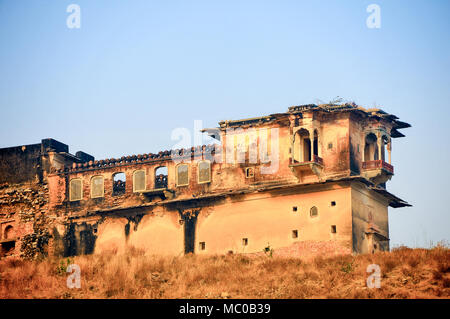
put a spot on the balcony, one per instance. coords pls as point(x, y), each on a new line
point(307, 170)
point(161, 190)
point(318, 160)
point(378, 165)
point(377, 171)
point(163, 193)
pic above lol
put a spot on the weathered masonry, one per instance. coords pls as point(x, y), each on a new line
point(308, 181)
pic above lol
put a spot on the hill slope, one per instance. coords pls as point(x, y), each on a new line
point(405, 273)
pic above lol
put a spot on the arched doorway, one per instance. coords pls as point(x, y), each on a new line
point(302, 146)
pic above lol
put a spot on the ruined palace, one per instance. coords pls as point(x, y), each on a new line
point(308, 181)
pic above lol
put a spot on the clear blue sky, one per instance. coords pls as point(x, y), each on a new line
point(136, 70)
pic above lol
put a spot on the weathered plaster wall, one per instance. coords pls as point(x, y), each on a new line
point(268, 219)
point(159, 233)
point(334, 131)
point(156, 232)
point(368, 207)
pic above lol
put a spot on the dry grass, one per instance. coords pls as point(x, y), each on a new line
point(406, 273)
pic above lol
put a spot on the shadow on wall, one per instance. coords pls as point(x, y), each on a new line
point(79, 239)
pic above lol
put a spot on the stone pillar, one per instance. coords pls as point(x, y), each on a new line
point(379, 145)
point(293, 150)
point(319, 148)
point(389, 148)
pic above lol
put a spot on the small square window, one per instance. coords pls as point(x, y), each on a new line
point(333, 229)
point(333, 203)
point(244, 241)
point(330, 145)
point(249, 172)
point(294, 208)
point(295, 233)
point(202, 245)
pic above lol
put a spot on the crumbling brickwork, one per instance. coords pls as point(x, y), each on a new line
point(25, 218)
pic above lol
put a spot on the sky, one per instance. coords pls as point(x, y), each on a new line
point(136, 70)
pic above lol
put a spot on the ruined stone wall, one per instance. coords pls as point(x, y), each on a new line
point(24, 220)
point(20, 164)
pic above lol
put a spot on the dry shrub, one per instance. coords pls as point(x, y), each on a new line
point(443, 267)
point(320, 261)
point(407, 273)
point(388, 263)
point(437, 275)
point(446, 283)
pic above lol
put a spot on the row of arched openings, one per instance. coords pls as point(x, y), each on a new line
point(139, 181)
point(119, 184)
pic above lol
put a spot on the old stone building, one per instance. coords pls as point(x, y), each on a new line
point(310, 180)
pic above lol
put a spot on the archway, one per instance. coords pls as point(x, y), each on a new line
point(370, 148)
point(161, 174)
point(302, 146)
point(9, 232)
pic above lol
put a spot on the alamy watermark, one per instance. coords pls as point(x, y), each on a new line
point(374, 19)
point(374, 279)
point(74, 279)
point(238, 146)
point(73, 21)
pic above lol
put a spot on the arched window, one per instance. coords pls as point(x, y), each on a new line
point(204, 172)
point(182, 175)
point(302, 146)
point(75, 190)
point(161, 175)
point(139, 181)
point(370, 148)
point(314, 212)
point(119, 184)
point(9, 232)
point(97, 187)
